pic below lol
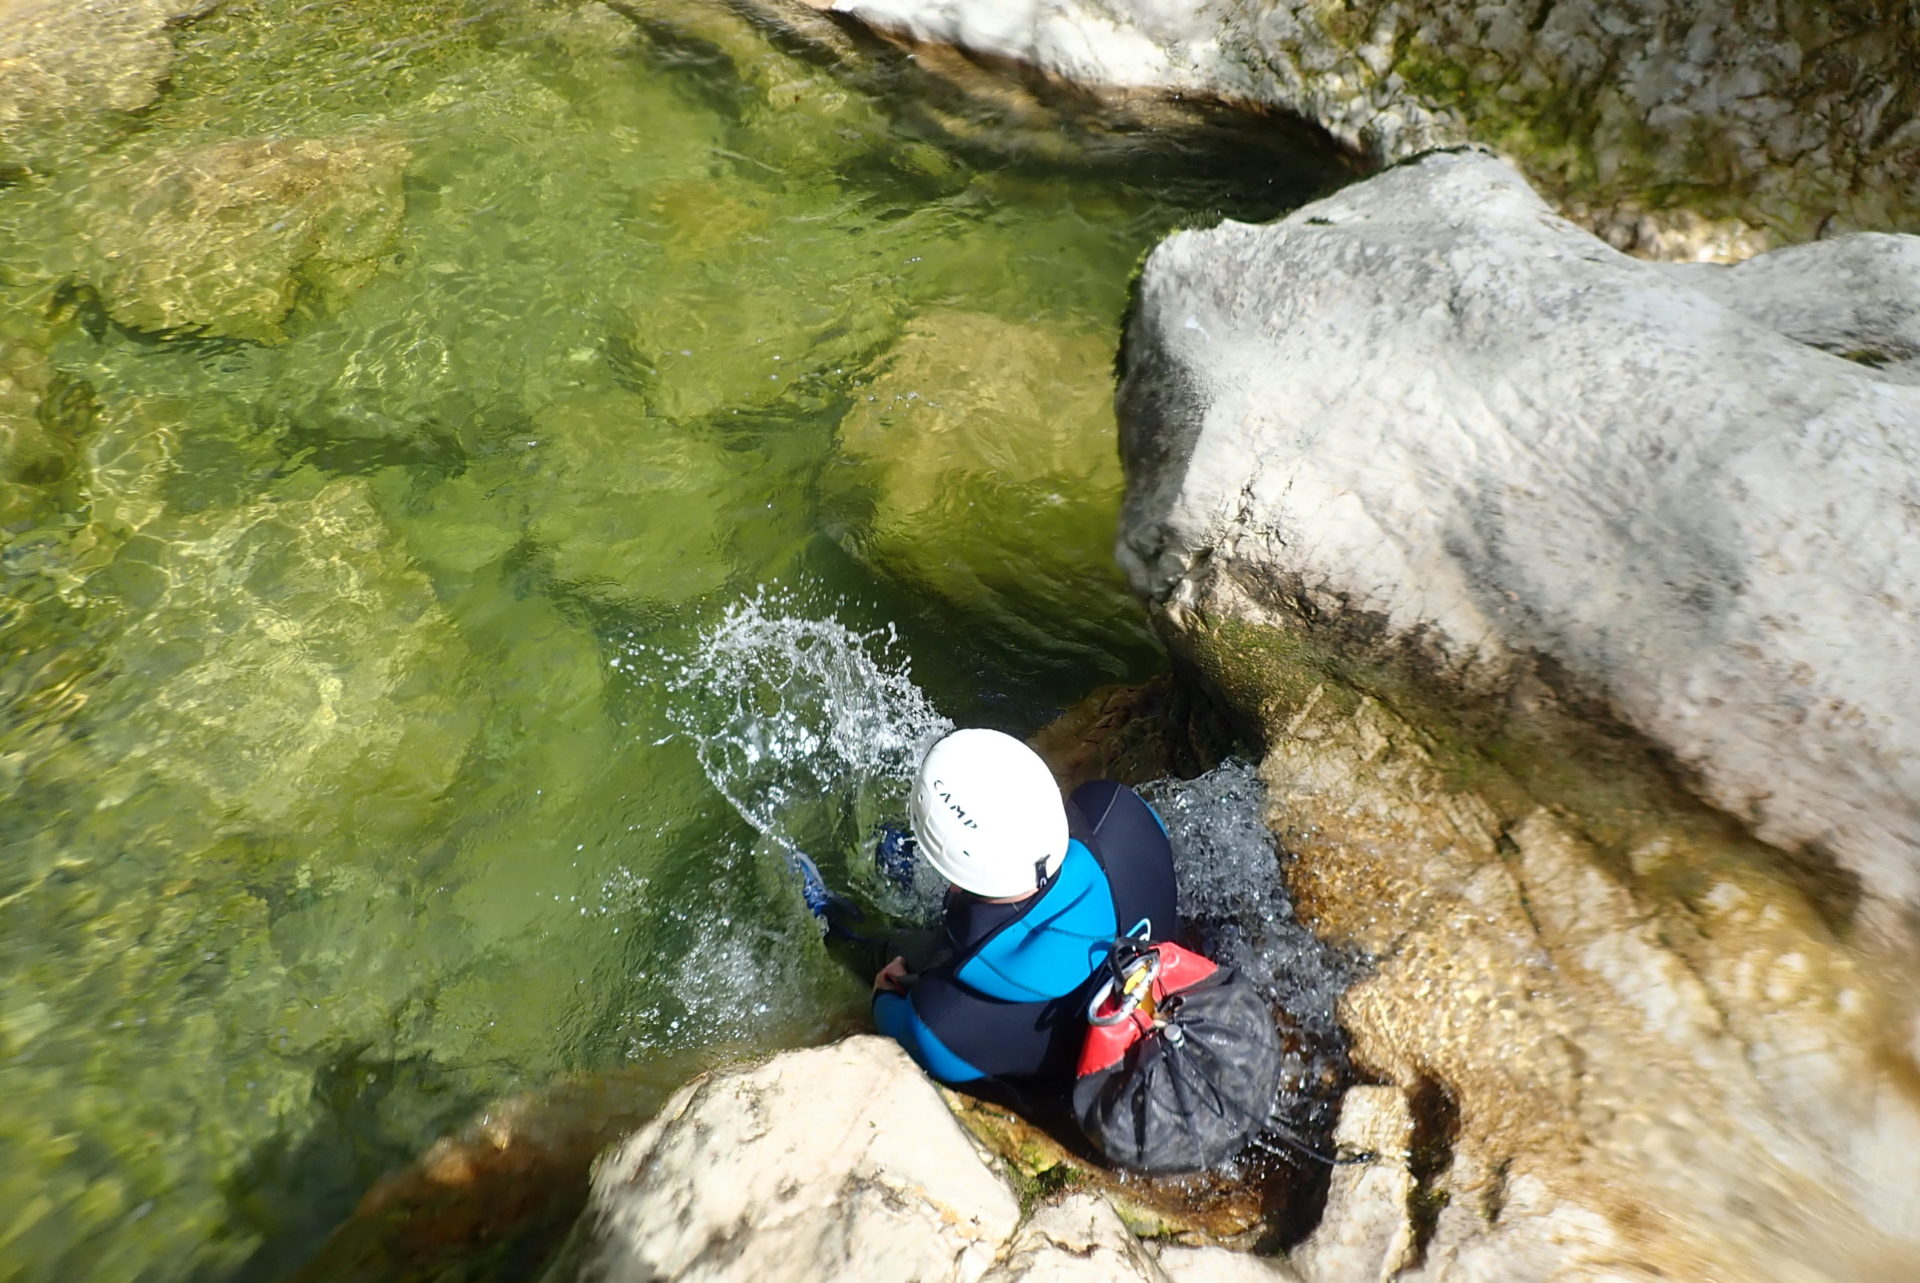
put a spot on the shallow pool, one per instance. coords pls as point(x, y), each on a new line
point(392, 416)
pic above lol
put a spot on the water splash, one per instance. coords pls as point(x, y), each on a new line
point(811, 730)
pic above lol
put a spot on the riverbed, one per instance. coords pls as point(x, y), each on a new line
point(404, 409)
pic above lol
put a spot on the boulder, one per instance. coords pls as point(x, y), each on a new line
point(1449, 429)
point(1673, 126)
point(628, 507)
point(845, 1162)
point(969, 413)
point(1857, 297)
point(294, 669)
point(836, 1162)
point(223, 239)
point(1481, 529)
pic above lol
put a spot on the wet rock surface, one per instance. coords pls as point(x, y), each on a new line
point(223, 240)
point(1441, 542)
point(1673, 128)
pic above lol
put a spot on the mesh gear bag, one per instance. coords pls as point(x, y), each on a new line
point(1182, 1061)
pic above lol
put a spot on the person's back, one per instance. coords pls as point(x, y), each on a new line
point(1041, 890)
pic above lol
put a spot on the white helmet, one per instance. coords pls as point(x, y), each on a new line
point(988, 815)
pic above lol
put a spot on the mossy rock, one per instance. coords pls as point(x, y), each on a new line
point(747, 329)
point(969, 415)
point(224, 239)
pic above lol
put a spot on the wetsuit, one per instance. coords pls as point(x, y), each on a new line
point(1010, 1005)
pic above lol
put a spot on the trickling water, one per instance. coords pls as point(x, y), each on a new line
point(1234, 907)
point(1233, 895)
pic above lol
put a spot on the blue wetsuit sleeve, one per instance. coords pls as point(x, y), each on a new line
point(895, 1017)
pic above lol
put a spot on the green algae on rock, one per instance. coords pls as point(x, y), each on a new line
point(1678, 129)
point(223, 240)
point(629, 509)
point(970, 414)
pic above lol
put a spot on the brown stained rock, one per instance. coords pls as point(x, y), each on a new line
point(497, 1195)
point(223, 240)
point(1602, 1069)
point(1047, 1154)
point(1159, 729)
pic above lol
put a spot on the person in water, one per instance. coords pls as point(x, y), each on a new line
point(1039, 891)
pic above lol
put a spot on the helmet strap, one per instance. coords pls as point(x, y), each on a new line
point(1040, 873)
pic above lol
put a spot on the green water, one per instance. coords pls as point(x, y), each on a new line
point(370, 409)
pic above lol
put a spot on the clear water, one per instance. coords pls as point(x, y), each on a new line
point(403, 423)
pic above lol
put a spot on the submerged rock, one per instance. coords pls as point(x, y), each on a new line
point(224, 239)
point(40, 447)
point(971, 414)
point(628, 507)
point(1795, 118)
point(290, 660)
point(62, 63)
point(1479, 526)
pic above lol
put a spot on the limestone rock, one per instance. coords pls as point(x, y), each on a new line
point(836, 1162)
point(1365, 1233)
point(1078, 1240)
point(1187, 1264)
point(62, 61)
point(1856, 296)
point(224, 239)
point(1438, 492)
point(1599, 1086)
point(1430, 404)
point(1794, 117)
